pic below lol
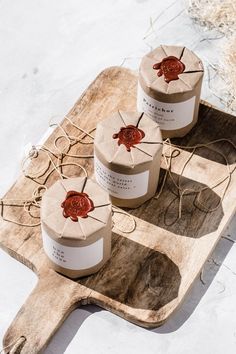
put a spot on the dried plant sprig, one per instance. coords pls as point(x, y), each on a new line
point(214, 14)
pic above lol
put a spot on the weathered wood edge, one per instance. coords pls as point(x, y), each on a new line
point(155, 323)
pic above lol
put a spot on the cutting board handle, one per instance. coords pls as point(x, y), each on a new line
point(51, 301)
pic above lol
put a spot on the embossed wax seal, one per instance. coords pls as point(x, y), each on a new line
point(129, 136)
point(170, 67)
point(128, 167)
point(169, 89)
point(77, 205)
point(76, 231)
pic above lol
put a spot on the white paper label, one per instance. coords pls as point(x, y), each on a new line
point(75, 258)
point(120, 185)
point(169, 116)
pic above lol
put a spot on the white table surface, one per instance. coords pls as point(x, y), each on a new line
point(50, 52)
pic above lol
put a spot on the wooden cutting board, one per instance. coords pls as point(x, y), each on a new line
point(152, 268)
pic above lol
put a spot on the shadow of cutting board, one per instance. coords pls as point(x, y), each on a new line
point(152, 268)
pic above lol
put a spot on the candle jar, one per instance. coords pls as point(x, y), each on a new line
point(76, 226)
point(127, 155)
point(169, 87)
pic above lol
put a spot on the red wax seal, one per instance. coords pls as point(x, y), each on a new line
point(170, 67)
point(77, 205)
point(129, 136)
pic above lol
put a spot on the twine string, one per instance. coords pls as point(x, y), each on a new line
point(79, 128)
point(117, 210)
point(13, 346)
point(173, 151)
point(27, 203)
point(35, 200)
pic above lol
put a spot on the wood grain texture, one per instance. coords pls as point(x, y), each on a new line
point(152, 268)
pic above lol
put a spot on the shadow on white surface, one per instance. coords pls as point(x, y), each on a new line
point(202, 284)
point(69, 329)
point(64, 338)
point(45, 68)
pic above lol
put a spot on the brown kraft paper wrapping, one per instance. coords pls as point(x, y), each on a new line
point(172, 101)
point(129, 173)
point(76, 248)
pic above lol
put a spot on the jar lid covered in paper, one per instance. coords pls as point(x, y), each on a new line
point(171, 69)
point(75, 208)
point(128, 139)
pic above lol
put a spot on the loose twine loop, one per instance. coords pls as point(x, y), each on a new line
point(14, 346)
point(86, 137)
point(117, 210)
point(174, 151)
point(59, 154)
point(30, 204)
